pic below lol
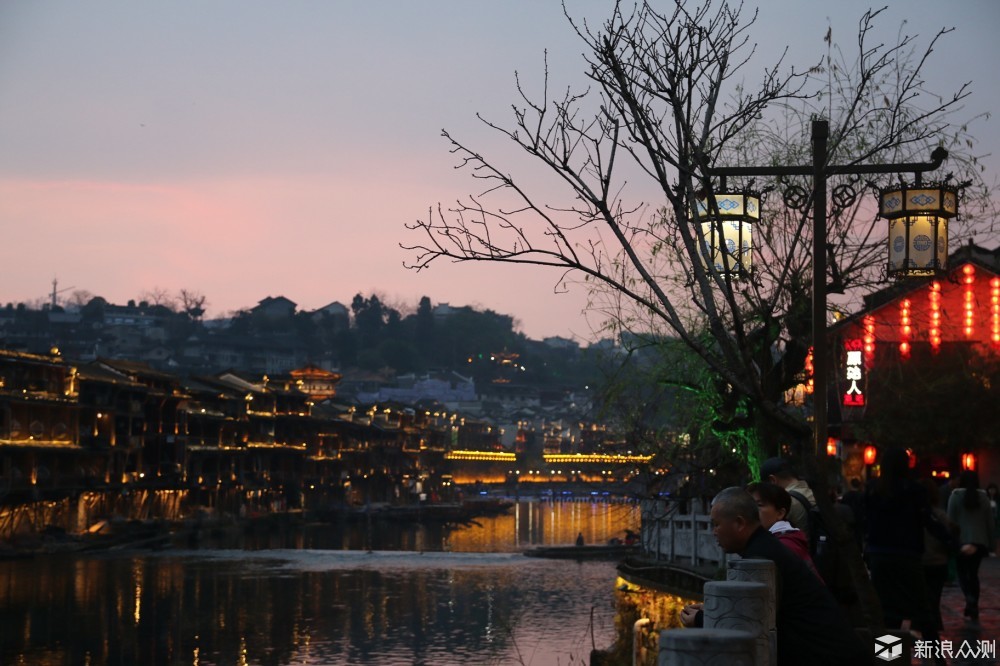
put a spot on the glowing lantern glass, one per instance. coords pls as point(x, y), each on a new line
point(871, 453)
point(968, 461)
point(918, 228)
point(831, 446)
point(726, 231)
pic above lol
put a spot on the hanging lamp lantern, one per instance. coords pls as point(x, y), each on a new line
point(918, 228)
point(726, 222)
point(969, 461)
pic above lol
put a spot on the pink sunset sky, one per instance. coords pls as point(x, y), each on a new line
point(251, 149)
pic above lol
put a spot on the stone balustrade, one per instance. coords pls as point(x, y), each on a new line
point(739, 621)
point(760, 571)
point(706, 647)
point(684, 539)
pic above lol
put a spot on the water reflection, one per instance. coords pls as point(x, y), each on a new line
point(541, 523)
point(527, 524)
point(313, 599)
point(635, 602)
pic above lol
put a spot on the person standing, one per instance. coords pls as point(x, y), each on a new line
point(779, 472)
point(938, 548)
point(897, 510)
point(969, 508)
point(944, 492)
point(994, 492)
point(854, 499)
point(773, 504)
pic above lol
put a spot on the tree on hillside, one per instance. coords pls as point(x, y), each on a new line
point(475, 334)
point(79, 297)
point(192, 303)
point(370, 318)
point(93, 310)
point(159, 296)
point(424, 328)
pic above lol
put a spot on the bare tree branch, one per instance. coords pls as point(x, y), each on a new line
point(666, 104)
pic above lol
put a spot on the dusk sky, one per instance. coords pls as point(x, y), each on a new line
point(246, 149)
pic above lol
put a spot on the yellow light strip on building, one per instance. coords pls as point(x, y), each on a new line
point(276, 445)
point(563, 458)
point(40, 443)
point(489, 456)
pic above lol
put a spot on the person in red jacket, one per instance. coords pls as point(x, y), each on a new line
point(773, 505)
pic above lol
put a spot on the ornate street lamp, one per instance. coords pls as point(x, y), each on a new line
point(918, 227)
point(726, 231)
point(820, 172)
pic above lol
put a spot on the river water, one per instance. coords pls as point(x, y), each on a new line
point(348, 593)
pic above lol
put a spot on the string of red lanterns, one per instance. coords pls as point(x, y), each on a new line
point(869, 336)
point(969, 299)
point(935, 330)
point(995, 310)
point(905, 329)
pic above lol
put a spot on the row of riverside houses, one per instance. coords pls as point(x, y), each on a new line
point(113, 425)
point(117, 426)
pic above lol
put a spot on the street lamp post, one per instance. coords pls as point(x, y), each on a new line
point(820, 172)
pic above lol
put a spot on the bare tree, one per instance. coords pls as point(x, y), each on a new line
point(192, 302)
point(665, 106)
point(159, 296)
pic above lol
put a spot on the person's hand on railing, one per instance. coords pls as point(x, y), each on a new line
point(689, 615)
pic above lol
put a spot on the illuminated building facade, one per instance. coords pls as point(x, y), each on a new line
point(77, 436)
point(931, 321)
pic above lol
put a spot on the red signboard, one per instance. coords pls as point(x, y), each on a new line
point(854, 396)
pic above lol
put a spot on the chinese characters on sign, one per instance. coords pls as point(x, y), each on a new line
point(853, 396)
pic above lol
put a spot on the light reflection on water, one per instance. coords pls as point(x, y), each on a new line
point(469, 598)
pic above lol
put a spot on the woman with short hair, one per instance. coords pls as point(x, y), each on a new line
point(773, 505)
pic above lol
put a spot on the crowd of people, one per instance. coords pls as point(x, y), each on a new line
point(911, 533)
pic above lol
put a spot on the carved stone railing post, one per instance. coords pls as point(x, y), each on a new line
point(706, 647)
point(742, 606)
point(760, 571)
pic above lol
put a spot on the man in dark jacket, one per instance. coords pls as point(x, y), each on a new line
point(812, 628)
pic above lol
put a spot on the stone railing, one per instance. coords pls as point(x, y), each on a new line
point(739, 621)
point(684, 539)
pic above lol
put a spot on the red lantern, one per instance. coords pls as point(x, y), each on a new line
point(871, 453)
point(968, 461)
point(913, 458)
point(831, 446)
